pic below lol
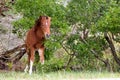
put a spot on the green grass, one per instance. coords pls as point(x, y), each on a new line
point(60, 75)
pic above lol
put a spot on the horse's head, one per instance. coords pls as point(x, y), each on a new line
point(45, 25)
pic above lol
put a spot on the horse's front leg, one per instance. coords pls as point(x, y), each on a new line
point(32, 52)
point(41, 54)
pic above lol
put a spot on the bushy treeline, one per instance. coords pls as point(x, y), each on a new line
point(84, 34)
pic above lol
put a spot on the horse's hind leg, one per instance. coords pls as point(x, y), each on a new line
point(26, 68)
point(41, 54)
point(32, 52)
point(27, 65)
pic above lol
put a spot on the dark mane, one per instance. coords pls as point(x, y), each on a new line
point(37, 23)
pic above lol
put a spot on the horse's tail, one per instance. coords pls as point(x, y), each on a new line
point(23, 47)
point(26, 48)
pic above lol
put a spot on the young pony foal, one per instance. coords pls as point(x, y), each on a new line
point(35, 40)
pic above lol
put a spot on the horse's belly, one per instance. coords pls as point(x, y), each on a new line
point(37, 46)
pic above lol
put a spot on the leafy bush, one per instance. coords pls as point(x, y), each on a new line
point(54, 64)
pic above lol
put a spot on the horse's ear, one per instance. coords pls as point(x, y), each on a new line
point(40, 17)
point(37, 22)
point(46, 17)
point(50, 18)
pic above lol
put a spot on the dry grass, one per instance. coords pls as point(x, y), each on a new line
point(60, 75)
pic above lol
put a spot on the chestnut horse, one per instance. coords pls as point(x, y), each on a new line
point(35, 40)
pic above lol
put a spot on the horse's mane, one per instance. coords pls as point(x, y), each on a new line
point(37, 22)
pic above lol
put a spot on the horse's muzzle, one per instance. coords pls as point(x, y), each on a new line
point(47, 35)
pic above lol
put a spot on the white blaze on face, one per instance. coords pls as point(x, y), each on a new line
point(46, 23)
point(31, 64)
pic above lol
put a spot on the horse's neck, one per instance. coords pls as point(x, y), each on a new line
point(39, 34)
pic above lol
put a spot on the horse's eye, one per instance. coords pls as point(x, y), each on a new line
point(46, 17)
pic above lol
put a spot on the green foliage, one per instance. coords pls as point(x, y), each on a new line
point(110, 21)
point(53, 64)
point(83, 55)
point(85, 14)
point(84, 11)
point(103, 15)
point(31, 10)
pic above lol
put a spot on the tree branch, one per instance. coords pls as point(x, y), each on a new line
point(112, 47)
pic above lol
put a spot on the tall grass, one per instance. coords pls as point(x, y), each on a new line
point(60, 75)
